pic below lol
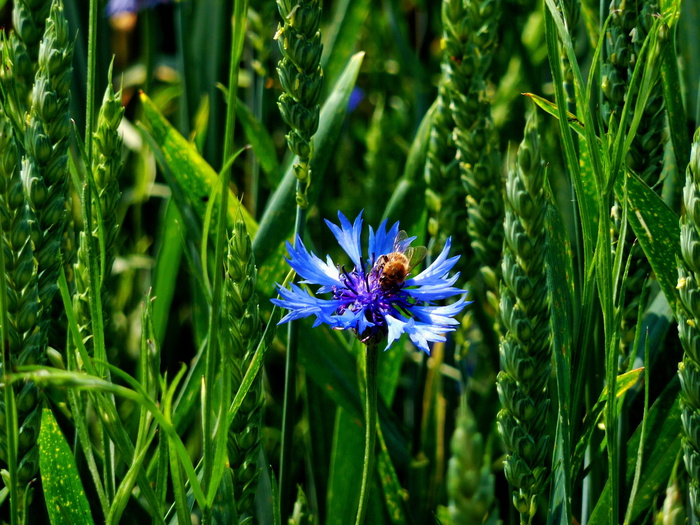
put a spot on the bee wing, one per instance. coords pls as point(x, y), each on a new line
point(415, 255)
point(400, 241)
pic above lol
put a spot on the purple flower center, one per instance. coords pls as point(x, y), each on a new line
point(361, 291)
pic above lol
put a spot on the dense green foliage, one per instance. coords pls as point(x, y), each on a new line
point(143, 374)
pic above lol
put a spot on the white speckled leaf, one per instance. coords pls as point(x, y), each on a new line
point(657, 230)
point(63, 490)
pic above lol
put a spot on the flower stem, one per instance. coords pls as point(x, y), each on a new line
point(370, 429)
point(288, 410)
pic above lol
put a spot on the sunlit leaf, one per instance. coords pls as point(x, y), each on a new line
point(63, 491)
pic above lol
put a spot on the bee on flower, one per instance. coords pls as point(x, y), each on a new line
point(379, 297)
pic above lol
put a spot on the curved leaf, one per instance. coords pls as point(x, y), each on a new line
point(185, 168)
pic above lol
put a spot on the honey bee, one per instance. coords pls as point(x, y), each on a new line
point(397, 265)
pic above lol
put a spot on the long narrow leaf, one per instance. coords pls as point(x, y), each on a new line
point(559, 281)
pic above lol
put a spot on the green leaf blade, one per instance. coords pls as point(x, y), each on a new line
point(657, 231)
point(186, 169)
point(63, 490)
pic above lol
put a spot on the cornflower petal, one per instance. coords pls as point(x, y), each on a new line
point(116, 7)
point(302, 304)
point(349, 237)
point(436, 290)
point(381, 242)
point(440, 315)
point(440, 267)
point(419, 333)
point(404, 244)
point(312, 269)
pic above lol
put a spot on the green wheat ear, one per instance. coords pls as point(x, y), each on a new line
point(301, 76)
point(525, 348)
point(470, 482)
point(240, 337)
point(106, 168)
point(45, 166)
point(20, 55)
point(470, 51)
point(445, 194)
point(629, 25)
point(22, 302)
point(35, 231)
point(689, 322)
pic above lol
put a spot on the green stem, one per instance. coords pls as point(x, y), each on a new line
point(91, 68)
point(605, 291)
point(212, 356)
point(289, 405)
point(11, 425)
point(371, 355)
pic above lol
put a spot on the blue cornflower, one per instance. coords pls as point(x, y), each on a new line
point(116, 7)
point(366, 299)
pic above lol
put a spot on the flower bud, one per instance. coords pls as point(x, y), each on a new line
point(55, 358)
point(62, 82)
point(249, 325)
point(691, 459)
point(301, 119)
point(690, 337)
point(48, 106)
point(520, 475)
point(691, 425)
point(303, 53)
point(285, 7)
point(47, 256)
point(306, 17)
point(300, 147)
point(59, 128)
point(31, 352)
point(15, 197)
point(235, 302)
